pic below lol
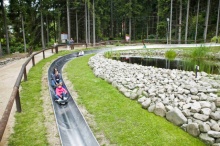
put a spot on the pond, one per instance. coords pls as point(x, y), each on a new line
point(174, 64)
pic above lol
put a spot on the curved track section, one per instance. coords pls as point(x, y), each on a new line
point(72, 127)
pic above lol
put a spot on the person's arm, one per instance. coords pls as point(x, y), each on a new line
point(64, 90)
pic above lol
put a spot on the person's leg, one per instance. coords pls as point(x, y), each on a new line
point(56, 97)
point(53, 84)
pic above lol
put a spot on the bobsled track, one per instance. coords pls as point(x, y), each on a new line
point(72, 127)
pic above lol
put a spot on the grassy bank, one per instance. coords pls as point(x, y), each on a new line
point(122, 120)
point(29, 126)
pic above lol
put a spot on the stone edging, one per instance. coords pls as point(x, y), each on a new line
point(189, 102)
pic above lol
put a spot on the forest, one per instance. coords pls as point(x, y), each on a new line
point(40, 23)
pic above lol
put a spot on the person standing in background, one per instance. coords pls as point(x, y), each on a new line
point(71, 43)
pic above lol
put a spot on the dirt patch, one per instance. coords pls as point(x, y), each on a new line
point(14, 56)
point(88, 117)
point(50, 122)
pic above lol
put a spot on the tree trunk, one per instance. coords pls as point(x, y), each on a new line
point(206, 20)
point(171, 15)
point(147, 31)
point(77, 31)
point(180, 22)
point(216, 33)
point(47, 32)
point(197, 19)
point(88, 24)
point(93, 21)
point(86, 35)
point(130, 23)
point(187, 20)
point(6, 27)
point(23, 31)
point(111, 35)
point(68, 20)
point(0, 49)
point(42, 31)
point(58, 28)
point(130, 30)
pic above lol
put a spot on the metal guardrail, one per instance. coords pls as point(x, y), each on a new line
point(15, 93)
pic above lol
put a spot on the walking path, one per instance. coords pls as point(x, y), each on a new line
point(9, 74)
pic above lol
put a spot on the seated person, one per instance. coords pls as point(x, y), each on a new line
point(61, 93)
point(56, 79)
point(81, 53)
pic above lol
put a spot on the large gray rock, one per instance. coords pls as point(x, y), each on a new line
point(176, 117)
point(207, 139)
point(215, 115)
point(193, 129)
point(196, 107)
point(201, 117)
point(205, 104)
point(217, 102)
point(206, 111)
point(146, 103)
point(194, 91)
point(151, 108)
point(214, 134)
point(142, 99)
point(204, 127)
point(215, 127)
point(160, 109)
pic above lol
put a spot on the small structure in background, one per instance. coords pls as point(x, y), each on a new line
point(197, 69)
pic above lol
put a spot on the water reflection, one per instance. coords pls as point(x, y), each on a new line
point(174, 64)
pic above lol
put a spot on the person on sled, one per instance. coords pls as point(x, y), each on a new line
point(61, 93)
point(56, 79)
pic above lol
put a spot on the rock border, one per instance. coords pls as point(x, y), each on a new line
point(188, 102)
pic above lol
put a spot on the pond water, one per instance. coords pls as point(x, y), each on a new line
point(175, 64)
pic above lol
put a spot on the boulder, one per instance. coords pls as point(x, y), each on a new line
point(176, 117)
point(193, 129)
point(207, 139)
point(160, 109)
point(214, 134)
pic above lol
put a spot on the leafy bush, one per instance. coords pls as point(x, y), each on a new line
point(199, 53)
point(215, 39)
point(170, 54)
point(108, 54)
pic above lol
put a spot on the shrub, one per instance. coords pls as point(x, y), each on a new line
point(199, 53)
point(108, 54)
point(170, 54)
point(215, 39)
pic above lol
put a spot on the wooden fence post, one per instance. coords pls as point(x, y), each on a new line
point(17, 99)
point(25, 74)
point(56, 49)
point(33, 61)
point(43, 54)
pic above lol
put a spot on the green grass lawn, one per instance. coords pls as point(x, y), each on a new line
point(122, 120)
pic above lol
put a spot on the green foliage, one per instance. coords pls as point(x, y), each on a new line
point(215, 39)
point(108, 54)
point(117, 55)
point(118, 44)
point(170, 54)
point(199, 53)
